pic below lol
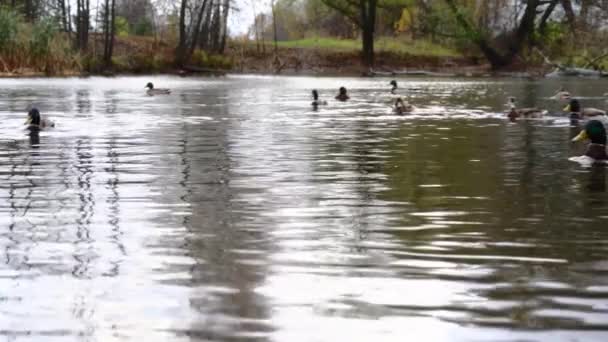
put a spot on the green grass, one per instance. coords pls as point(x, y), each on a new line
point(398, 45)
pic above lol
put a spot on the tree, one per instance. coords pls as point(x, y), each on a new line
point(109, 15)
point(82, 24)
point(520, 36)
point(363, 14)
point(180, 51)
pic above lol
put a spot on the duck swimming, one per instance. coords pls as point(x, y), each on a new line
point(402, 107)
point(515, 112)
point(316, 101)
point(342, 95)
point(36, 122)
point(576, 112)
point(594, 130)
point(562, 94)
point(156, 91)
point(394, 88)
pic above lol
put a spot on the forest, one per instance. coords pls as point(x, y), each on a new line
point(59, 37)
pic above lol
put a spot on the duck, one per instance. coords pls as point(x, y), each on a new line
point(156, 91)
point(595, 132)
point(562, 94)
point(394, 88)
point(402, 107)
point(576, 112)
point(342, 95)
point(315, 98)
point(36, 122)
point(515, 112)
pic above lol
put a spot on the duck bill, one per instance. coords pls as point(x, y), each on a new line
point(581, 136)
point(567, 108)
point(28, 120)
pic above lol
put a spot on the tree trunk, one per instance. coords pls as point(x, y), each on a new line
point(197, 29)
point(205, 40)
point(368, 23)
point(542, 26)
point(525, 30)
point(82, 24)
point(496, 60)
point(106, 33)
point(112, 33)
point(274, 30)
point(583, 16)
point(28, 10)
point(64, 16)
point(180, 52)
point(571, 18)
point(215, 28)
point(69, 11)
point(225, 26)
point(109, 17)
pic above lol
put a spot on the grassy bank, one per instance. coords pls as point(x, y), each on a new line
point(42, 50)
point(342, 56)
point(383, 44)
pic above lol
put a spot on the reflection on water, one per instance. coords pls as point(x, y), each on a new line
point(231, 210)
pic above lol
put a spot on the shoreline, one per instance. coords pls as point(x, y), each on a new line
point(239, 60)
point(470, 72)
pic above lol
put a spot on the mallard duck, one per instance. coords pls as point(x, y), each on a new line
point(316, 101)
point(35, 121)
point(576, 112)
point(156, 91)
point(562, 94)
point(394, 88)
point(594, 130)
point(342, 95)
point(515, 112)
point(402, 107)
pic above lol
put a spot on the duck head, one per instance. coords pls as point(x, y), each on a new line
point(393, 83)
point(511, 102)
point(315, 95)
point(33, 117)
point(149, 85)
point(573, 106)
point(594, 130)
point(342, 91)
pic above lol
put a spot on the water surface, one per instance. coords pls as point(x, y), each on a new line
point(230, 210)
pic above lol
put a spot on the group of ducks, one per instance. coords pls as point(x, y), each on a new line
point(594, 129)
point(573, 108)
point(400, 107)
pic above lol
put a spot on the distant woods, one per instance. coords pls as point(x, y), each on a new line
point(83, 32)
point(502, 31)
point(149, 35)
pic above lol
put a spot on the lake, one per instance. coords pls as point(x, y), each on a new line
point(230, 210)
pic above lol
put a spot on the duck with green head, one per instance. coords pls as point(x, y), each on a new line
point(595, 132)
point(35, 121)
point(577, 113)
point(156, 91)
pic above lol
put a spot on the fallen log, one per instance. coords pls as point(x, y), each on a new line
point(576, 72)
point(561, 70)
